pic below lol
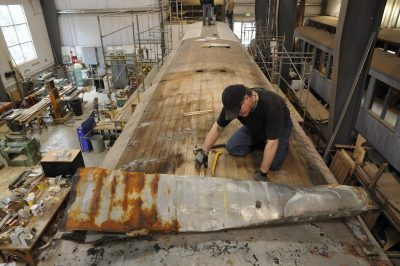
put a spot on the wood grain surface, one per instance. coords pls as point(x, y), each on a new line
point(159, 139)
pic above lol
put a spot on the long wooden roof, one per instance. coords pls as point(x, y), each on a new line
point(159, 139)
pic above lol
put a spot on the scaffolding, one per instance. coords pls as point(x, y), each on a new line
point(176, 10)
point(140, 41)
point(269, 52)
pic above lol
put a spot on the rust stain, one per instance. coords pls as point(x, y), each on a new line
point(320, 251)
point(98, 177)
point(82, 225)
point(129, 212)
point(134, 218)
point(126, 202)
point(351, 249)
point(154, 186)
point(137, 181)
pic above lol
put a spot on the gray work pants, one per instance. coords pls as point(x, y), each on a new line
point(208, 10)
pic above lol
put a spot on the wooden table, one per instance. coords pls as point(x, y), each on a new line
point(40, 223)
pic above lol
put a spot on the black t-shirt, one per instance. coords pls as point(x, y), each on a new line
point(268, 120)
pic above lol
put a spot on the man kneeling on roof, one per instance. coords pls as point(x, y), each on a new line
point(266, 125)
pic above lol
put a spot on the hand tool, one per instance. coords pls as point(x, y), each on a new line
point(218, 152)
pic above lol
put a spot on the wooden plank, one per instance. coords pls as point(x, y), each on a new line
point(313, 107)
point(197, 112)
point(342, 167)
point(370, 219)
point(4, 106)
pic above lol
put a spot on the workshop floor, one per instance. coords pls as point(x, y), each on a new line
point(56, 137)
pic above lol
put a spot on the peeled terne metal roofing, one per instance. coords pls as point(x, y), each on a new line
point(114, 201)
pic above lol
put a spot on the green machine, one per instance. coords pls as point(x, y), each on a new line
point(19, 150)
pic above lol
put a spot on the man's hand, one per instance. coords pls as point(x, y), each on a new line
point(260, 175)
point(201, 159)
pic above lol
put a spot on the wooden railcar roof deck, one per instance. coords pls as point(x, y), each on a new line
point(159, 139)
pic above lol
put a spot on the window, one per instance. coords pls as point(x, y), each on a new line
point(385, 103)
point(16, 33)
point(245, 31)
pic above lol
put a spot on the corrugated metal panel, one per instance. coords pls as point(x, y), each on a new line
point(115, 201)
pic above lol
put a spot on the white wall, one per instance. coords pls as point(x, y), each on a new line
point(333, 8)
point(103, 4)
point(82, 29)
point(40, 38)
point(391, 15)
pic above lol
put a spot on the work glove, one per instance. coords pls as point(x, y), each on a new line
point(201, 159)
point(260, 175)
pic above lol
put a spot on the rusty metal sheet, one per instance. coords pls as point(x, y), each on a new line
point(115, 201)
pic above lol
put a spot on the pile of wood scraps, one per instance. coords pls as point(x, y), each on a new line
point(350, 168)
point(386, 189)
point(344, 163)
point(343, 167)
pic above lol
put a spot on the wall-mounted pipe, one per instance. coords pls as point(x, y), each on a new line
point(106, 11)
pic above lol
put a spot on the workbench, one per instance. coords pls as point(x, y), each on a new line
point(53, 164)
point(40, 223)
point(37, 111)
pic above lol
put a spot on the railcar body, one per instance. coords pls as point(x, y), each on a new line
point(379, 116)
point(158, 138)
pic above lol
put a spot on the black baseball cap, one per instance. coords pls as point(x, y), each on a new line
point(232, 98)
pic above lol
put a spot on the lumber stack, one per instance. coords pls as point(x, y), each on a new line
point(387, 189)
point(31, 113)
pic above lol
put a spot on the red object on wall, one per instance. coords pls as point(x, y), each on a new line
point(74, 59)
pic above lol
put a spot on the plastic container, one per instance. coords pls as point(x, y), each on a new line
point(85, 132)
point(83, 140)
point(97, 143)
point(76, 107)
point(78, 75)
